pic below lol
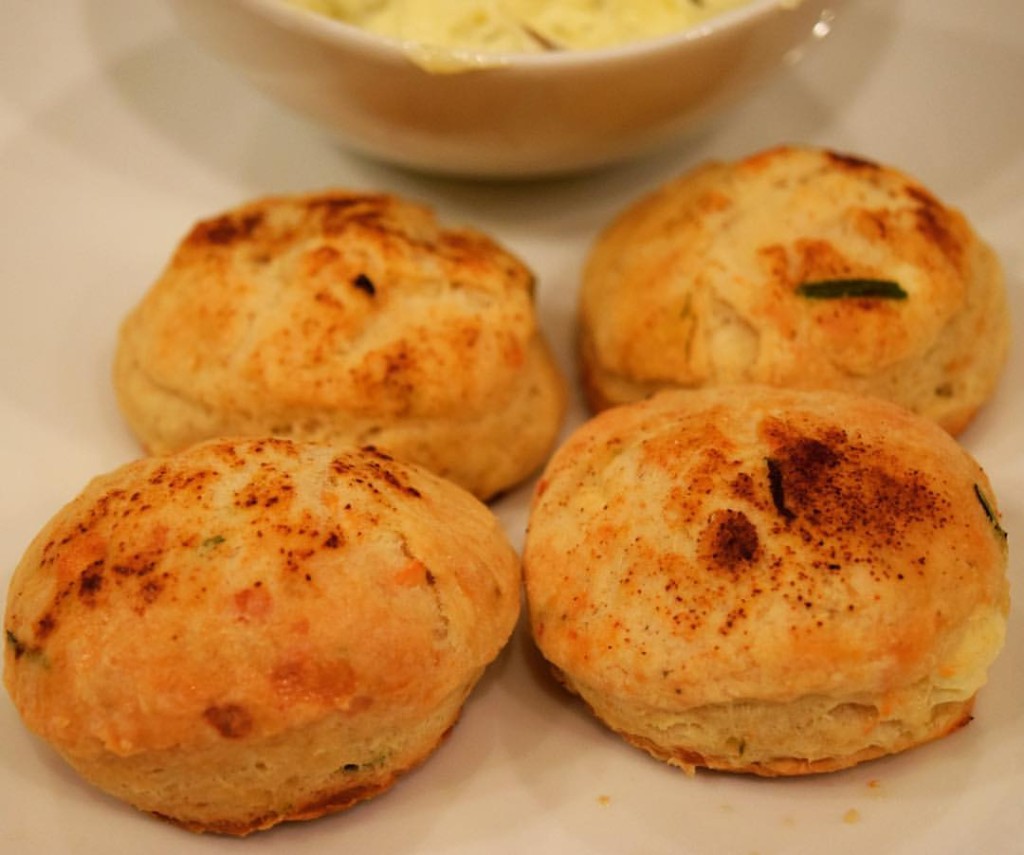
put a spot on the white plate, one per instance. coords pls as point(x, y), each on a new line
point(115, 134)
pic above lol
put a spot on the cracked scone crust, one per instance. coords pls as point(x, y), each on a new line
point(770, 581)
point(697, 285)
point(350, 317)
point(254, 631)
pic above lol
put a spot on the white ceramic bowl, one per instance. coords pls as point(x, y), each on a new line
point(526, 115)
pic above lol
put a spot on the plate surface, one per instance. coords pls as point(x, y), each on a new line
point(116, 134)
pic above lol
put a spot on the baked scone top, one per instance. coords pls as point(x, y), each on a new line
point(244, 588)
point(730, 274)
point(337, 301)
point(710, 546)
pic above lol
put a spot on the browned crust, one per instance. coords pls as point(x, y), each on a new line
point(779, 767)
point(334, 801)
point(590, 385)
point(327, 804)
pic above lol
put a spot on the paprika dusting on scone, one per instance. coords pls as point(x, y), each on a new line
point(764, 580)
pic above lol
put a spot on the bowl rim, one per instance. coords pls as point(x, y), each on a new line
point(333, 31)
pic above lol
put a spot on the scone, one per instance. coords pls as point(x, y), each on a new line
point(252, 631)
point(764, 580)
point(345, 316)
point(795, 267)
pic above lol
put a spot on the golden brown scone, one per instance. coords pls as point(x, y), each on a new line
point(345, 316)
point(252, 631)
point(764, 580)
point(730, 274)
